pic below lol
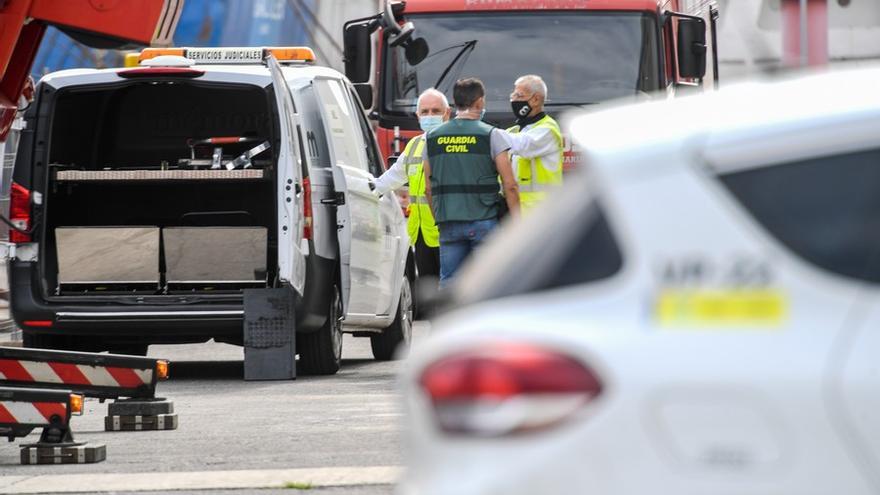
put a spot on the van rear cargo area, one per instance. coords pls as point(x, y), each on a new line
point(159, 188)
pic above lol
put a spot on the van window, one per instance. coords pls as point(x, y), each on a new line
point(374, 158)
point(345, 133)
point(313, 126)
point(826, 210)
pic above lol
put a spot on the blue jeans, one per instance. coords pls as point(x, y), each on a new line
point(457, 240)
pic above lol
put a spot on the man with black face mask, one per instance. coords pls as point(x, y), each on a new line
point(535, 141)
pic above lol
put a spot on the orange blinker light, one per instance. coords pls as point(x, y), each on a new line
point(161, 369)
point(76, 404)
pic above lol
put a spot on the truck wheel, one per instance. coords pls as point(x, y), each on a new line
point(320, 352)
point(399, 333)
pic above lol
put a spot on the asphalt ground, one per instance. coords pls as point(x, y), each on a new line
point(332, 434)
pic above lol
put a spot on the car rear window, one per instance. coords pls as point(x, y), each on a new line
point(826, 210)
point(594, 255)
point(573, 245)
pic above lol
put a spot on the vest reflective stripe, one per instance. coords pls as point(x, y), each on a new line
point(535, 180)
point(420, 219)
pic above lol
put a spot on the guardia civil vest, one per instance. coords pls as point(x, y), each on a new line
point(420, 216)
point(535, 180)
point(464, 180)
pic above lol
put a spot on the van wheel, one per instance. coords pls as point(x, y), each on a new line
point(320, 352)
point(399, 333)
point(412, 280)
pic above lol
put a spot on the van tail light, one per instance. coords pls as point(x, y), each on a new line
point(19, 213)
point(505, 389)
point(307, 208)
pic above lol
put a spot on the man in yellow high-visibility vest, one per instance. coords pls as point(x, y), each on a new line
point(432, 110)
point(536, 144)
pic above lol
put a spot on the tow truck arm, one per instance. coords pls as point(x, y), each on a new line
point(95, 23)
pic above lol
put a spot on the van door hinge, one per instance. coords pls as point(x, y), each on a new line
point(338, 199)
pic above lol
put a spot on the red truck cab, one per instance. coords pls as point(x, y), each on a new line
point(587, 51)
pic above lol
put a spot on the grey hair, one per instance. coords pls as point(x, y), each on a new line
point(534, 83)
point(432, 91)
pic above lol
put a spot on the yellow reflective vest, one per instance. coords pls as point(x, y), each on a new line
point(533, 178)
point(420, 216)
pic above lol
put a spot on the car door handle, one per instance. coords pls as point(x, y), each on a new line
point(372, 186)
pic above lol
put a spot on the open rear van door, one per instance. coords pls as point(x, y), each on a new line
point(291, 259)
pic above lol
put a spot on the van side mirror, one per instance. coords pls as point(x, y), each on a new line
point(691, 48)
point(365, 93)
point(357, 52)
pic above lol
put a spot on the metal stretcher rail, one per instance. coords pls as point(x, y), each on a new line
point(152, 175)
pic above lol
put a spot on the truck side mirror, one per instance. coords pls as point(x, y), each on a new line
point(416, 51)
point(691, 48)
point(365, 93)
point(357, 52)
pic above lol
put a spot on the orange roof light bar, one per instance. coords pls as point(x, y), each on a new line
point(131, 60)
point(234, 55)
point(291, 53)
point(148, 53)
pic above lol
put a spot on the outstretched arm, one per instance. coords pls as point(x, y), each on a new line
point(393, 178)
point(531, 143)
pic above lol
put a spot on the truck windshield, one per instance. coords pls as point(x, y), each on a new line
point(584, 57)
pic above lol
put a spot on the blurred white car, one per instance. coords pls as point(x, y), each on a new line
point(698, 313)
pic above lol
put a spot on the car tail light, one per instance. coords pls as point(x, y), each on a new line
point(504, 389)
point(307, 208)
point(19, 213)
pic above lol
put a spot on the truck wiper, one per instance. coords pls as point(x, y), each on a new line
point(466, 48)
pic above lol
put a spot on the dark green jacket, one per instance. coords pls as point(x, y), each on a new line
point(464, 180)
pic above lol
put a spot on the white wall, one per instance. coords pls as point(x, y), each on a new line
point(750, 39)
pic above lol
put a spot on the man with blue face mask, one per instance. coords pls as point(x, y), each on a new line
point(467, 159)
point(432, 110)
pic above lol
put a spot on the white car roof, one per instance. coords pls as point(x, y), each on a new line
point(827, 111)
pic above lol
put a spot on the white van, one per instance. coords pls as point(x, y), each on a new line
point(151, 198)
